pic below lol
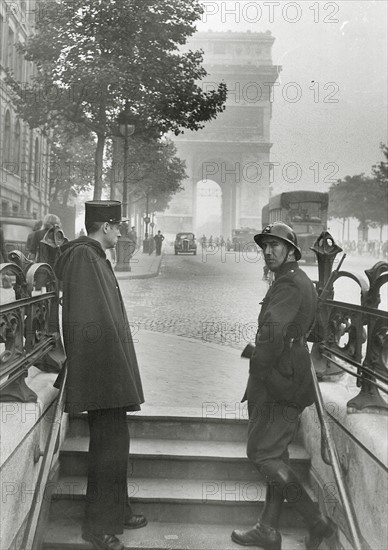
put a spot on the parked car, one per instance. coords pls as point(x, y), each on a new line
point(16, 231)
point(185, 243)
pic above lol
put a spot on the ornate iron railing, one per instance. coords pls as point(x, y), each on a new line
point(352, 338)
point(29, 335)
point(29, 325)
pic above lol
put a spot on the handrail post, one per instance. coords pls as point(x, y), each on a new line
point(369, 397)
point(326, 250)
point(336, 466)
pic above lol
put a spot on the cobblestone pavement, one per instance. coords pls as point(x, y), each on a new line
point(212, 298)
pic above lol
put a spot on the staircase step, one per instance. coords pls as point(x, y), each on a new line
point(170, 458)
point(65, 534)
point(167, 427)
point(218, 501)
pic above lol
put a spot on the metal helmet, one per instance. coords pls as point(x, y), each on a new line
point(283, 232)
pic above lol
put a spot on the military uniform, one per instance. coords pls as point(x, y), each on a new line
point(280, 386)
point(280, 383)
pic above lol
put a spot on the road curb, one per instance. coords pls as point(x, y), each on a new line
point(155, 273)
point(196, 341)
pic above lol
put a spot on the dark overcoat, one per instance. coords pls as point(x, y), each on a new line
point(279, 369)
point(102, 367)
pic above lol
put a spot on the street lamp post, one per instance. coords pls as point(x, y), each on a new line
point(124, 251)
point(147, 219)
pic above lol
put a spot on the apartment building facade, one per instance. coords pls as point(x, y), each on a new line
point(24, 152)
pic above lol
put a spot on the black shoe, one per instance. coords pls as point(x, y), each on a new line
point(103, 542)
point(135, 522)
point(265, 537)
point(323, 528)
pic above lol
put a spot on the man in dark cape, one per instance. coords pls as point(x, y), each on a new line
point(103, 375)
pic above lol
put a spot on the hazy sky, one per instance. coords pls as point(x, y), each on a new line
point(333, 132)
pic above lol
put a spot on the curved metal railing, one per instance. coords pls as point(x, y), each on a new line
point(29, 335)
point(353, 338)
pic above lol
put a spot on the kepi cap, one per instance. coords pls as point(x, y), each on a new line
point(103, 211)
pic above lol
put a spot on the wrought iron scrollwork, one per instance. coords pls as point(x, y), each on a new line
point(29, 325)
point(345, 327)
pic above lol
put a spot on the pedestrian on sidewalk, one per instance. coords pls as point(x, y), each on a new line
point(159, 238)
point(41, 248)
point(132, 235)
point(30, 239)
point(3, 250)
point(103, 374)
point(280, 386)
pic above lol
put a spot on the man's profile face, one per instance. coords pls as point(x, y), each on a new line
point(275, 251)
point(112, 234)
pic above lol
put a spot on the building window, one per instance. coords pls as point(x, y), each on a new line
point(7, 138)
point(15, 209)
point(5, 208)
point(1, 38)
point(10, 49)
point(19, 66)
point(36, 164)
point(17, 148)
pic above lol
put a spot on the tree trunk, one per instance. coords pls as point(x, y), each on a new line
point(98, 159)
point(53, 194)
point(65, 197)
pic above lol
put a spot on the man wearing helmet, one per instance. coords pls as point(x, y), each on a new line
point(279, 387)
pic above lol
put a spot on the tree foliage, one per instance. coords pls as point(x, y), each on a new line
point(348, 198)
point(154, 173)
point(96, 58)
point(71, 163)
point(380, 171)
point(362, 197)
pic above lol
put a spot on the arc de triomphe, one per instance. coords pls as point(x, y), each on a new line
point(232, 150)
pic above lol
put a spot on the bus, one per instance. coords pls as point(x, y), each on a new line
point(304, 211)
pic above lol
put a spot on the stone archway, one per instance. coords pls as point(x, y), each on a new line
point(225, 174)
point(232, 150)
point(208, 198)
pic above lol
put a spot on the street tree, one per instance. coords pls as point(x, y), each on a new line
point(154, 173)
point(361, 197)
point(380, 171)
point(71, 163)
point(341, 199)
point(96, 59)
point(379, 194)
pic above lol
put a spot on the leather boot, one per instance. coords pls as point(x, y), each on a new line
point(272, 507)
point(324, 527)
point(260, 535)
point(285, 478)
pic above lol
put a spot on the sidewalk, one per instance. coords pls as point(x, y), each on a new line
point(143, 266)
point(183, 376)
point(190, 378)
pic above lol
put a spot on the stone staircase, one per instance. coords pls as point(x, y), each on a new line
point(189, 476)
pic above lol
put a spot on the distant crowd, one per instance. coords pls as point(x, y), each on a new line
point(216, 241)
point(373, 248)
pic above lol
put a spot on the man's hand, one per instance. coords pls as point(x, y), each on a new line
point(248, 351)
